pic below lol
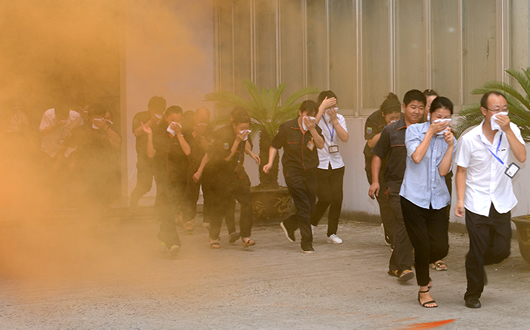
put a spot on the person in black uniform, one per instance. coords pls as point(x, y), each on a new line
point(145, 166)
point(389, 112)
point(201, 132)
point(170, 147)
point(97, 143)
point(391, 144)
point(300, 138)
point(226, 156)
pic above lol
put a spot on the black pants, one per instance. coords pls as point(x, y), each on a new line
point(208, 208)
point(170, 196)
point(387, 215)
point(489, 243)
point(144, 179)
point(427, 230)
point(401, 258)
point(225, 189)
point(303, 190)
point(329, 193)
point(192, 196)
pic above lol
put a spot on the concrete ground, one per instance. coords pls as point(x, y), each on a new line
point(66, 274)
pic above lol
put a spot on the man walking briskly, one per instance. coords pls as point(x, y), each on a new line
point(145, 165)
point(392, 144)
point(484, 189)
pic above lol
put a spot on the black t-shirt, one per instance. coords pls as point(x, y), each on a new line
point(374, 125)
point(297, 156)
point(141, 140)
point(94, 153)
point(220, 148)
point(170, 159)
point(392, 144)
point(197, 149)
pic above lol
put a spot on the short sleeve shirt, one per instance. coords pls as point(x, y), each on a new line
point(94, 153)
point(141, 141)
point(169, 155)
point(52, 142)
point(373, 126)
point(423, 185)
point(297, 154)
point(220, 148)
point(392, 144)
point(330, 138)
point(486, 182)
point(197, 149)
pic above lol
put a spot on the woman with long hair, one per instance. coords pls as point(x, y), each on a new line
point(424, 195)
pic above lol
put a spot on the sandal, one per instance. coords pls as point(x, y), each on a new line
point(247, 242)
point(440, 265)
point(427, 302)
point(406, 275)
point(214, 244)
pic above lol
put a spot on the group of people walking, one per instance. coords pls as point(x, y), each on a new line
point(409, 153)
point(416, 153)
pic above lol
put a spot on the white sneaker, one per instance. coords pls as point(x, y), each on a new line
point(313, 231)
point(334, 239)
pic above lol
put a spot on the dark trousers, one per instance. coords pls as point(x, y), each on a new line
point(329, 193)
point(144, 179)
point(387, 215)
point(192, 196)
point(208, 208)
point(401, 258)
point(303, 190)
point(170, 195)
point(489, 243)
point(427, 230)
point(225, 190)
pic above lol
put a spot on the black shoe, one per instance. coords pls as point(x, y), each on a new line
point(233, 237)
point(472, 302)
point(288, 233)
point(308, 250)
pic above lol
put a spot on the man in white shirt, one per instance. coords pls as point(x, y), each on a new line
point(55, 127)
point(484, 189)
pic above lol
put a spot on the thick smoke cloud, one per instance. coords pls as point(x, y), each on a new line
point(117, 53)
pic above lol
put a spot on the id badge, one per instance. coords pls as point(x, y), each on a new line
point(310, 145)
point(512, 170)
point(333, 149)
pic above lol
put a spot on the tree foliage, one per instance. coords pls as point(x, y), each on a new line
point(518, 103)
point(264, 105)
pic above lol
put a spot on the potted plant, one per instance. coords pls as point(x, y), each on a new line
point(268, 112)
point(519, 113)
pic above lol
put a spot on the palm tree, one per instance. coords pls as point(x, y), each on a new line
point(267, 115)
point(518, 104)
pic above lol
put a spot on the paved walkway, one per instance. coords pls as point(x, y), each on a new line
point(66, 275)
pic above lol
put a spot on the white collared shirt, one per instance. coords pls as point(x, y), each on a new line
point(324, 157)
point(486, 182)
point(51, 142)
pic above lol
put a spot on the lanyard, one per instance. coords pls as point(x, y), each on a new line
point(494, 154)
point(331, 132)
point(241, 151)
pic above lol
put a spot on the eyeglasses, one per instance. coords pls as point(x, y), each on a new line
point(497, 110)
